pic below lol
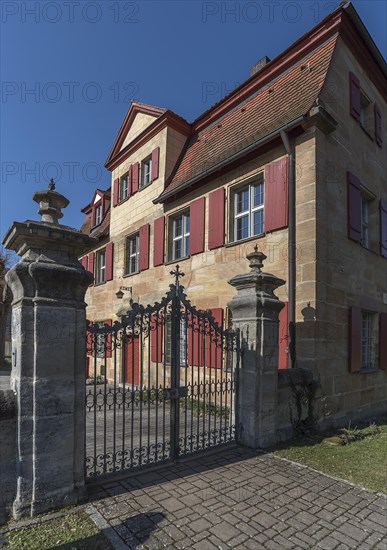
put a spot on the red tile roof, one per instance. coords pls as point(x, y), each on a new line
point(279, 102)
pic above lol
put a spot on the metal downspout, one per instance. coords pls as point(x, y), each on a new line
point(291, 247)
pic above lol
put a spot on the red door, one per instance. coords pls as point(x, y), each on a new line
point(132, 361)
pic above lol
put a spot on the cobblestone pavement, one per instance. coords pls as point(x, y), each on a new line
point(238, 499)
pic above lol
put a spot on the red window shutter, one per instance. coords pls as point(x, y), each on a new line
point(108, 339)
point(144, 247)
point(383, 341)
point(216, 218)
point(378, 125)
point(135, 176)
point(85, 262)
point(213, 349)
point(283, 338)
point(156, 333)
point(354, 96)
point(116, 185)
point(353, 207)
point(354, 339)
point(195, 340)
point(158, 242)
point(383, 228)
point(91, 262)
point(89, 343)
point(130, 181)
point(109, 261)
point(93, 217)
point(155, 163)
point(197, 215)
point(276, 195)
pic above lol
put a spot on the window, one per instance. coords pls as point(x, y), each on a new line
point(365, 221)
point(146, 171)
point(366, 118)
point(100, 275)
point(180, 236)
point(98, 214)
point(123, 188)
point(367, 341)
point(132, 254)
point(183, 342)
point(248, 216)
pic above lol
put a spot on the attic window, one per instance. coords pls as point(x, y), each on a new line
point(98, 214)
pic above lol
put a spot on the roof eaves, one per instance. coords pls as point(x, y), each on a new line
point(221, 164)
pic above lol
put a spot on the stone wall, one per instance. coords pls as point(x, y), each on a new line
point(7, 452)
point(348, 274)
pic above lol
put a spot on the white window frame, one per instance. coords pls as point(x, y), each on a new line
point(251, 210)
point(183, 342)
point(365, 111)
point(183, 237)
point(131, 254)
point(146, 171)
point(100, 270)
point(98, 214)
point(123, 191)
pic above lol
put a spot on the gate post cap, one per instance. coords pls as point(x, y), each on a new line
point(256, 259)
point(50, 204)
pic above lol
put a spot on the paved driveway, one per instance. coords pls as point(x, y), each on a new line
point(239, 499)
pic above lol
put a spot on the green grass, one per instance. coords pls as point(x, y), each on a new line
point(200, 408)
point(74, 531)
point(362, 461)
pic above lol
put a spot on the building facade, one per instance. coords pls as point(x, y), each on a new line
point(294, 161)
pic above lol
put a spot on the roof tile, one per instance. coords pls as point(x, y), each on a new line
point(287, 97)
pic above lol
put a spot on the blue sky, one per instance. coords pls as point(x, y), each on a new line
point(69, 70)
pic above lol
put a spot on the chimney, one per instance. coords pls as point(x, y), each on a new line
point(259, 65)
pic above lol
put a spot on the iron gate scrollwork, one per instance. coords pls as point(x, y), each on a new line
point(162, 383)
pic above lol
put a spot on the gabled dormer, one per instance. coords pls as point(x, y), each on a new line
point(146, 149)
point(97, 214)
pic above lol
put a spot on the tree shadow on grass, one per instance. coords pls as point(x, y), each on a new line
point(131, 533)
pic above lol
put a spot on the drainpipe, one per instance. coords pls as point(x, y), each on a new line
point(291, 247)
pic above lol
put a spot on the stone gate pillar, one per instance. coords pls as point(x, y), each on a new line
point(255, 310)
point(48, 285)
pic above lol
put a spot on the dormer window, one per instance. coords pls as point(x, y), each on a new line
point(98, 214)
point(146, 171)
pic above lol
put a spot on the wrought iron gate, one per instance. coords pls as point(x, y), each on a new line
point(162, 384)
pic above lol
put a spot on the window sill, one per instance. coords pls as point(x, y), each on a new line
point(123, 200)
point(366, 132)
point(177, 260)
point(130, 274)
point(141, 187)
point(369, 249)
point(99, 284)
point(368, 371)
point(242, 241)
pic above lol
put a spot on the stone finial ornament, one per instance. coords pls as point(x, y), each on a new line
point(256, 259)
point(50, 204)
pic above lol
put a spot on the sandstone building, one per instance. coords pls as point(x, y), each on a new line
point(293, 160)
